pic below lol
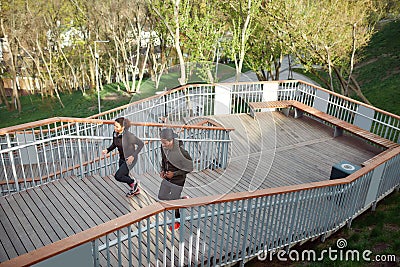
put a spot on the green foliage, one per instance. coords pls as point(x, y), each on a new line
point(76, 104)
point(378, 73)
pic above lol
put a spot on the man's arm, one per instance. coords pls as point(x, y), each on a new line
point(186, 164)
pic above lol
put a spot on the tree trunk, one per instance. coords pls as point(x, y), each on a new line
point(358, 91)
point(53, 85)
point(3, 96)
point(243, 41)
point(182, 79)
point(352, 58)
point(141, 73)
point(74, 84)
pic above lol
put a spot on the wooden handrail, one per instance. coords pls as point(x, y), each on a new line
point(96, 232)
point(166, 125)
point(30, 125)
point(367, 135)
point(352, 100)
point(19, 128)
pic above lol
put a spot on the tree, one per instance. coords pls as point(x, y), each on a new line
point(172, 13)
point(241, 24)
point(267, 45)
point(203, 33)
point(326, 34)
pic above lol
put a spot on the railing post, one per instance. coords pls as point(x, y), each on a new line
point(222, 101)
point(321, 100)
point(374, 185)
point(79, 140)
point(364, 117)
point(270, 93)
point(11, 156)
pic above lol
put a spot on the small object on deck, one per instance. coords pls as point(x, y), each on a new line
point(343, 169)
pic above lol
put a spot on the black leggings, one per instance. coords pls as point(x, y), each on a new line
point(122, 174)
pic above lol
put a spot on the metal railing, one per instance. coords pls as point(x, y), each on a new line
point(79, 152)
point(221, 230)
point(200, 100)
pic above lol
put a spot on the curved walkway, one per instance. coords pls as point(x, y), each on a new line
point(271, 151)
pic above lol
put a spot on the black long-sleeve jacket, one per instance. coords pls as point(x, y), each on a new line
point(127, 143)
point(178, 161)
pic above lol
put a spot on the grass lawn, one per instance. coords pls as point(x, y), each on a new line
point(78, 105)
point(75, 105)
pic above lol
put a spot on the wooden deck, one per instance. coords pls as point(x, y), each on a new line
point(270, 151)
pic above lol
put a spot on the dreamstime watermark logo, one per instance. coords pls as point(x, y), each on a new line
point(339, 254)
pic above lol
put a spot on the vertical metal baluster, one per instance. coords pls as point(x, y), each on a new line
point(64, 143)
point(256, 233)
point(181, 252)
point(323, 211)
point(95, 253)
point(304, 204)
point(221, 245)
point(72, 150)
point(21, 163)
point(198, 236)
point(5, 174)
point(60, 167)
point(239, 231)
point(44, 153)
point(216, 234)
point(53, 159)
point(310, 229)
point(119, 251)
point(30, 161)
point(246, 229)
point(274, 223)
point(11, 158)
point(148, 234)
point(79, 140)
point(157, 218)
point(130, 245)
point(315, 208)
point(108, 250)
point(165, 238)
point(205, 234)
point(283, 218)
point(293, 212)
point(264, 222)
point(139, 227)
point(191, 233)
